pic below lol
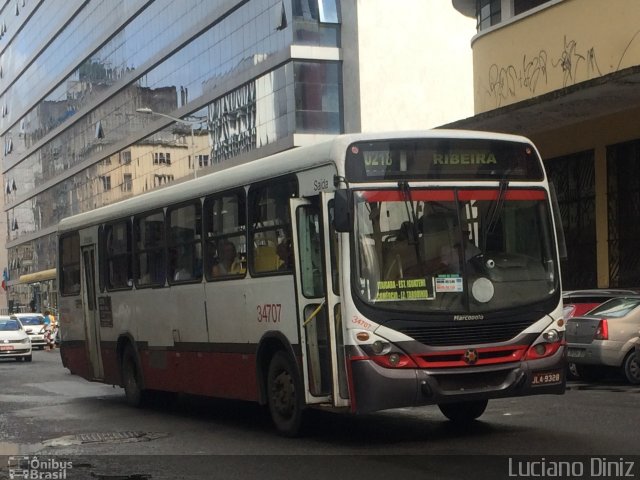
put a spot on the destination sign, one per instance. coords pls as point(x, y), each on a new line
point(442, 159)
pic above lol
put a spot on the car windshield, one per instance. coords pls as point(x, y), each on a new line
point(9, 325)
point(35, 320)
point(458, 250)
point(616, 308)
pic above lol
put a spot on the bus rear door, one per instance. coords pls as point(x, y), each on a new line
point(319, 319)
point(90, 310)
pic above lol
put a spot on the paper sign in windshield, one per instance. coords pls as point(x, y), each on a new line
point(404, 290)
point(446, 284)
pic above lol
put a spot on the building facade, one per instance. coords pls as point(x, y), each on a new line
point(565, 73)
point(104, 99)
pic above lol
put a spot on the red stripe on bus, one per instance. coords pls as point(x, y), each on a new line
point(484, 356)
point(398, 196)
point(211, 374)
point(509, 195)
point(456, 358)
point(76, 360)
point(352, 390)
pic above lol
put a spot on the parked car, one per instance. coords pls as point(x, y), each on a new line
point(33, 324)
point(579, 302)
point(606, 337)
point(14, 341)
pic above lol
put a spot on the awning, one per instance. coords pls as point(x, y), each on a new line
point(40, 276)
point(583, 101)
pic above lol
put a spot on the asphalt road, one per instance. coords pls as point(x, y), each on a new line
point(48, 413)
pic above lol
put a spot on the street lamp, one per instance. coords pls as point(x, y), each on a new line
point(191, 124)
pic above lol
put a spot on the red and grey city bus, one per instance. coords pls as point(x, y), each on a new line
point(371, 271)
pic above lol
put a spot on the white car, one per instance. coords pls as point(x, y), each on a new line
point(14, 341)
point(33, 324)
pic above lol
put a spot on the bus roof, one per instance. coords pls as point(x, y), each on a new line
point(225, 177)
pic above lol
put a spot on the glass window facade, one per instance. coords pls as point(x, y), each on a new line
point(521, 6)
point(488, 13)
point(72, 78)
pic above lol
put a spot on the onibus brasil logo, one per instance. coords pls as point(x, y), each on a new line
point(38, 468)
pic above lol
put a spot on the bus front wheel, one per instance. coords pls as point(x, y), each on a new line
point(463, 412)
point(131, 378)
point(284, 395)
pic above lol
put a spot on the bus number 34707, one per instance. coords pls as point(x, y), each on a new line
point(269, 312)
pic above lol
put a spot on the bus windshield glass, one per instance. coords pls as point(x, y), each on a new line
point(442, 158)
point(470, 250)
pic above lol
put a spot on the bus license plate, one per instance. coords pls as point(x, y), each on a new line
point(6, 347)
point(545, 378)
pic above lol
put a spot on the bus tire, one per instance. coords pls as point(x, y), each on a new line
point(463, 412)
point(284, 395)
point(132, 378)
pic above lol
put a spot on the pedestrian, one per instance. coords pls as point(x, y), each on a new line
point(49, 330)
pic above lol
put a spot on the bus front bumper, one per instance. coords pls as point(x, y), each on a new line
point(377, 388)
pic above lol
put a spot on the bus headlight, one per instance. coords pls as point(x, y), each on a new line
point(547, 344)
point(551, 336)
point(386, 354)
point(379, 347)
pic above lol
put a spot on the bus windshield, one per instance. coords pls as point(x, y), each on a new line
point(455, 250)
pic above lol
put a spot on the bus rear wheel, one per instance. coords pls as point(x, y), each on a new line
point(284, 395)
point(463, 412)
point(132, 378)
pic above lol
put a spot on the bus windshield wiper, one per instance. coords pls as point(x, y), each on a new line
point(497, 207)
point(411, 213)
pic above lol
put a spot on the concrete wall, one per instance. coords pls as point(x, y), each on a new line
point(554, 47)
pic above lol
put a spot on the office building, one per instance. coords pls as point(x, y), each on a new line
point(90, 90)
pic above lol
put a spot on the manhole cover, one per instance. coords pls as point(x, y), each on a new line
point(104, 437)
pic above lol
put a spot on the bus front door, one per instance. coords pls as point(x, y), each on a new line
point(319, 318)
point(90, 313)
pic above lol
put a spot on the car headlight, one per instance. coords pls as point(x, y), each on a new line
point(24, 340)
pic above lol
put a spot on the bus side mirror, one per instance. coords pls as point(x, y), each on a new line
point(342, 211)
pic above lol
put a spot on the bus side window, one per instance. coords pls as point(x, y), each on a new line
point(225, 235)
point(70, 264)
point(149, 240)
point(118, 273)
point(184, 243)
point(270, 235)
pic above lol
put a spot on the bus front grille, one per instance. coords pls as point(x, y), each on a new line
point(465, 334)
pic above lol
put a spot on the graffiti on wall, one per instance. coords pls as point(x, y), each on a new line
point(571, 63)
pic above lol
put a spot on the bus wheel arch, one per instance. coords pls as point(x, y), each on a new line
point(270, 343)
point(281, 386)
point(285, 395)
